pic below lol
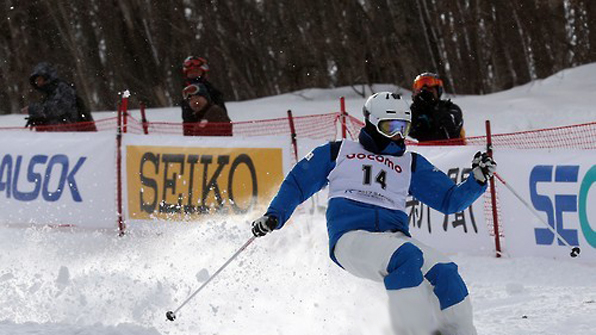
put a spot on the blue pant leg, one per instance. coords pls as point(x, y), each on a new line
point(404, 268)
point(447, 284)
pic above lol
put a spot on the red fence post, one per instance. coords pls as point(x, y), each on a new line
point(293, 134)
point(493, 192)
point(125, 96)
point(119, 170)
point(343, 119)
point(144, 119)
point(119, 117)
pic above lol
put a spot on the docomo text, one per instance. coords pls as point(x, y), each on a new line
point(381, 159)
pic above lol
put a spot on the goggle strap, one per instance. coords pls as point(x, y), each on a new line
point(190, 90)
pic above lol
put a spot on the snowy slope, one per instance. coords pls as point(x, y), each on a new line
point(66, 283)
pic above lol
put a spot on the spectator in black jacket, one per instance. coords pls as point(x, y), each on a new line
point(434, 119)
point(60, 105)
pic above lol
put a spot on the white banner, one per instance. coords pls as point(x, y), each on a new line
point(465, 231)
point(559, 185)
point(58, 179)
point(70, 179)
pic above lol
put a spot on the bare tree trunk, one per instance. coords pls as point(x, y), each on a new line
point(259, 48)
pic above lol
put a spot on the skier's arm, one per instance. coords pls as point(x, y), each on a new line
point(306, 178)
point(437, 190)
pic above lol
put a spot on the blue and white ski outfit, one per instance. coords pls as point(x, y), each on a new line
point(368, 228)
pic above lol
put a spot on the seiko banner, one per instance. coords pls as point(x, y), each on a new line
point(183, 179)
point(57, 179)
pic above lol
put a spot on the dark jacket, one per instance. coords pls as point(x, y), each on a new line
point(441, 120)
point(211, 121)
point(60, 104)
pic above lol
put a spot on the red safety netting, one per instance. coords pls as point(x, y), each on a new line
point(323, 126)
point(109, 124)
point(329, 127)
point(580, 136)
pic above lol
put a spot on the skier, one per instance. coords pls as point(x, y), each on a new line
point(367, 223)
point(434, 119)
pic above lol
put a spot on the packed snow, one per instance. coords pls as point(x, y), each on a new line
point(67, 282)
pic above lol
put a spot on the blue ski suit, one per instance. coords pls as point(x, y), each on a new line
point(428, 184)
point(368, 227)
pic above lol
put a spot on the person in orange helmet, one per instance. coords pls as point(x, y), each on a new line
point(434, 119)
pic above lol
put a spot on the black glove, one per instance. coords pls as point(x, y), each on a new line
point(483, 167)
point(36, 116)
point(264, 225)
point(33, 121)
point(426, 96)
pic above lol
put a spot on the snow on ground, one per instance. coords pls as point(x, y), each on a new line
point(64, 282)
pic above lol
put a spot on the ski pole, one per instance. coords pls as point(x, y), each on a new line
point(574, 250)
point(171, 315)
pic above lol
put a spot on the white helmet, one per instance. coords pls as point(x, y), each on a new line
point(389, 113)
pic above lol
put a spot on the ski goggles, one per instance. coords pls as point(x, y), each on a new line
point(427, 81)
point(191, 90)
point(392, 127)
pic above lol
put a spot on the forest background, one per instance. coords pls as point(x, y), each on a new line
point(259, 48)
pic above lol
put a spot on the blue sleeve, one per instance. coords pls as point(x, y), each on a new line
point(434, 188)
point(306, 178)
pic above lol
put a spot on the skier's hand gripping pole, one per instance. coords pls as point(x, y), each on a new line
point(483, 167)
point(264, 225)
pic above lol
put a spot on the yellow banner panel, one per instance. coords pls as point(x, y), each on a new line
point(179, 183)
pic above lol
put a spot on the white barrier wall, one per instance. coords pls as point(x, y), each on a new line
point(466, 231)
point(461, 232)
point(70, 179)
point(558, 184)
point(58, 179)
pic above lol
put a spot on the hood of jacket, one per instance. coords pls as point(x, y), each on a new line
point(45, 70)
